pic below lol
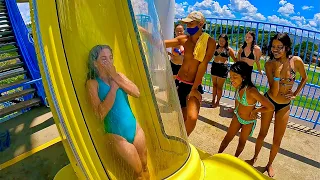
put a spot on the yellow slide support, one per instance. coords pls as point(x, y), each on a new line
point(64, 33)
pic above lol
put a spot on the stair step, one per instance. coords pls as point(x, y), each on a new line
point(4, 23)
point(5, 33)
point(6, 98)
point(8, 38)
point(9, 58)
point(7, 44)
point(3, 14)
point(11, 66)
point(9, 50)
point(4, 86)
point(10, 75)
point(19, 106)
point(4, 18)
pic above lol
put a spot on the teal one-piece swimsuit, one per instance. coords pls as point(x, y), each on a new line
point(120, 119)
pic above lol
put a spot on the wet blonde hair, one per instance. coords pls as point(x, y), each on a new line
point(93, 56)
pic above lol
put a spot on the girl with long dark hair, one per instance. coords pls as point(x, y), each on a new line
point(245, 113)
point(219, 68)
point(281, 72)
point(250, 52)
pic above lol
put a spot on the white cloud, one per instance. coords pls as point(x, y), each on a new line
point(308, 26)
point(260, 17)
point(307, 7)
point(242, 6)
point(247, 10)
point(315, 22)
point(211, 8)
point(286, 9)
point(185, 3)
point(299, 20)
point(180, 11)
point(277, 20)
point(257, 16)
point(25, 12)
point(282, 2)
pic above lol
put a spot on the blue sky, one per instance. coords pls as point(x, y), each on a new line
point(298, 13)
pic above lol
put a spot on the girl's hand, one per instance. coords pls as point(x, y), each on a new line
point(110, 69)
point(195, 93)
point(170, 54)
point(290, 95)
point(254, 114)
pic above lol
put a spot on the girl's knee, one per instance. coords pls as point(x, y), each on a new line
point(192, 115)
point(262, 135)
point(276, 141)
point(242, 143)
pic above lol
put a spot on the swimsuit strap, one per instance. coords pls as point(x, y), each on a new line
point(243, 54)
point(292, 73)
point(243, 99)
point(185, 82)
point(223, 53)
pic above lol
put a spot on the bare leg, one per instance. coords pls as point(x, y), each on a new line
point(184, 113)
point(140, 144)
point(214, 91)
point(245, 132)
point(232, 131)
point(265, 124)
point(280, 125)
point(128, 152)
point(193, 107)
point(220, 83)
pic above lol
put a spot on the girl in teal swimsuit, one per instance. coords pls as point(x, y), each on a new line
point(108, 91)
point(245, 113)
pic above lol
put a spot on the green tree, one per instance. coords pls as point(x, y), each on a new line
point(305, 51)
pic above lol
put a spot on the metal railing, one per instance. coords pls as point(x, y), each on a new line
point(305, 43)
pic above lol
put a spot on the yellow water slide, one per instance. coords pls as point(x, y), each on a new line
point(64, 33)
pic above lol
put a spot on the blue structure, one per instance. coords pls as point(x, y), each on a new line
point(20, 80)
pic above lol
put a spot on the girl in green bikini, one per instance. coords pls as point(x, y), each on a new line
point(107, 90)
point(245, 113)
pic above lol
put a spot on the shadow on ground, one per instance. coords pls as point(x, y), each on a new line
point(28, 131)
point(43, 165)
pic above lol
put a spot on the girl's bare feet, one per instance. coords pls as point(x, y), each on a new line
point(214, 104)
point(145, 173)
point(139, 176)
point(270, 171)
